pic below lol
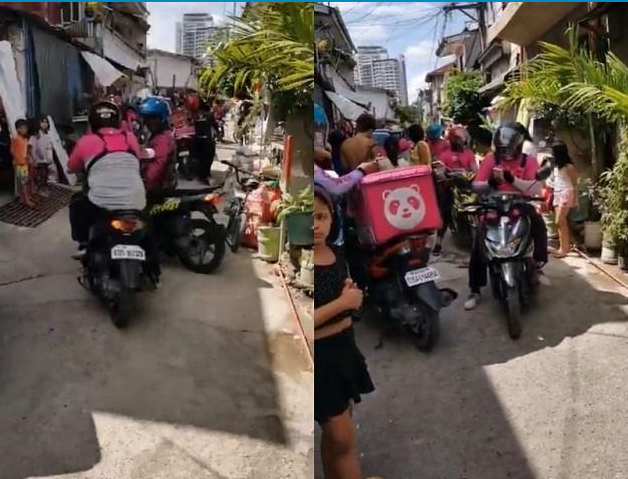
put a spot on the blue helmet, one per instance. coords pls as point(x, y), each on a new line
point(154, 106)
point(434, 131)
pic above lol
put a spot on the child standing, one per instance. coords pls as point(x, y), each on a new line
point(565, 182)
point(43, 155)
point(341, 375)
point(22, 161)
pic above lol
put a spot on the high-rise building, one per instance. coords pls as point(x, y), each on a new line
point(376, 69)
point(363, 73)
point(194, 33)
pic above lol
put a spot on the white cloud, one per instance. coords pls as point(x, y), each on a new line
point(368, 35)
point(416, 82)
point(419, 53)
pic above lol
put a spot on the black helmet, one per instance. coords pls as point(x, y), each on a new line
point(104, 114)
point(508, 141)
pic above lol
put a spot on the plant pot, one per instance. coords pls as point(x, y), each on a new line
point(593, 235)
point(550, 224)
point(268, 242)
point(300, 228)
point(609, 251)
point(584, 206)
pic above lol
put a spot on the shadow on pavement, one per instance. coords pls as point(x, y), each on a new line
point(197, 356)
point(439, 415)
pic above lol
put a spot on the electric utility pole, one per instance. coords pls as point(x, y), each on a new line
point(480, 17)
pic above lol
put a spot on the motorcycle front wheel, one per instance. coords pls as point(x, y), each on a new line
point(235, 228)
point(205, 248)
point(513, 304)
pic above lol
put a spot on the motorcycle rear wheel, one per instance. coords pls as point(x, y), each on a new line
point(427, 331)
point(122, 308)
point(513, 304)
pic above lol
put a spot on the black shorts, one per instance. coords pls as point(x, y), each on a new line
point(340, 375)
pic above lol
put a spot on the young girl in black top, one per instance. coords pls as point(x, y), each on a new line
point(340, 370)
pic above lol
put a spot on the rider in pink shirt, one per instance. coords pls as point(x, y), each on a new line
point(508, 170)
point(458, 156)
point(91, 145)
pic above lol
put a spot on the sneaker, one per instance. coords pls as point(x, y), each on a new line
point(471, 303)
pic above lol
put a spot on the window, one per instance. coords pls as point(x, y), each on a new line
point(71, 12)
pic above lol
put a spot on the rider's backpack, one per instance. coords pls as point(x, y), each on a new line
point(114, 181)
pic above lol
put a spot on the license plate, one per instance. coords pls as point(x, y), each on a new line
point(420, 276)
point(127, 251)
point(184, 153)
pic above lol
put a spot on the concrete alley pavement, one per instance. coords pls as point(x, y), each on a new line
point(210, 381)
point(481, 406)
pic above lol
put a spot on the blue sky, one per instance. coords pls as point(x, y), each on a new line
point(408, 28)
point(164, 15)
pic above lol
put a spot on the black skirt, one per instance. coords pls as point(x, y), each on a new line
point(340, 375)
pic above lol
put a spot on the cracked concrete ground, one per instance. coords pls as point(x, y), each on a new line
point(551, 405)
point(210, 381)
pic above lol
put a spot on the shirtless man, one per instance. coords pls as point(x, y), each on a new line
point(360, 148)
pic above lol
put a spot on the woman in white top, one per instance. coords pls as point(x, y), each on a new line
point(565, 182)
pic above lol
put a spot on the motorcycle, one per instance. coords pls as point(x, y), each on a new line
point(115, 264)
point(235, 206)
point(402, 286)
point(461, 226)
point(184, 226)
point(505, 234)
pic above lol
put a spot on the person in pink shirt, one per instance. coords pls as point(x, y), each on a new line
point(159, 172)
point(435, 141)
point(107, 160)
point(458, 157)
point(508, 170)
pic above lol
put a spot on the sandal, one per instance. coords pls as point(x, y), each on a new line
point(559, 255)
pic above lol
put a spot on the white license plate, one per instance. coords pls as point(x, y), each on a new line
point(184, 153)
point(127, 251)
point(420, 276)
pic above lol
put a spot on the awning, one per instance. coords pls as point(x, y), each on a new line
point(349, 109)
point(105, 72)
point(10, 91)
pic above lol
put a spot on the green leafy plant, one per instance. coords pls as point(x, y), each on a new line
point(463, 102)
point(407, 114)
point(613, 198)
point(272, 45)
point(290, 204)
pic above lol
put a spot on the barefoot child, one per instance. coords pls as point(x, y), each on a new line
point(565, 181)
point(341, 375)
point(21, 162)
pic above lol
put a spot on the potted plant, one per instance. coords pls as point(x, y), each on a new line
point(593, 237)
point(298, 213)
point(613, 204)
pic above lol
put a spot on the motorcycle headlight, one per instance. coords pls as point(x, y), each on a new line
point(500, 251)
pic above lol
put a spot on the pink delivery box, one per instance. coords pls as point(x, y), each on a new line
point(392, 203)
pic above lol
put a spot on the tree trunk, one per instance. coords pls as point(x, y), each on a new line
point(300, 125)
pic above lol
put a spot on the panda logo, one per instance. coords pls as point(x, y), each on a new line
point(404, 208)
